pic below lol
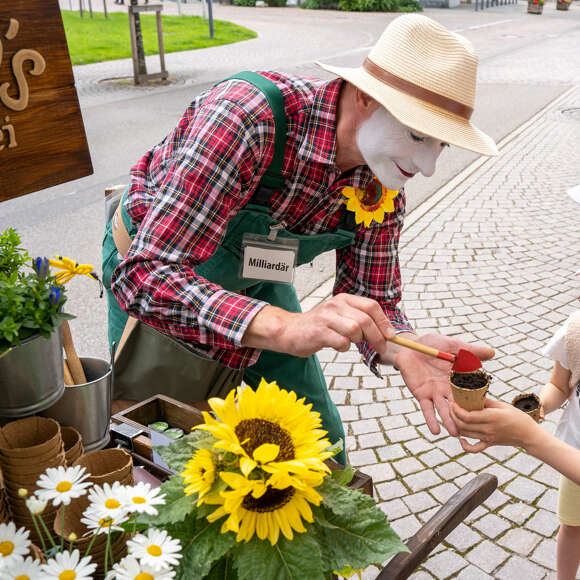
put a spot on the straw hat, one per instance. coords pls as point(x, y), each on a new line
point(425, 76)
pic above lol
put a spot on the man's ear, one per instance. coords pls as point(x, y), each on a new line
point(365, 104)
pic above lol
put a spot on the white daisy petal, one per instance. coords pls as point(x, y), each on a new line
point(107, 501)
point(20, 568)
point(68, 565)
point(99, 523)
point(141, 498)
point(60, 485)
point(35, 506)
point(130, 568)
point(156, 549)
point(13, 543)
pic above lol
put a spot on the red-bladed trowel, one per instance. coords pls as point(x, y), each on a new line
point(463, 362)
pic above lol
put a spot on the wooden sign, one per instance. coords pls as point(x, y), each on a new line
point(42, 136)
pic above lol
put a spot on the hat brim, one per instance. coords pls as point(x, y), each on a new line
point(418, 114)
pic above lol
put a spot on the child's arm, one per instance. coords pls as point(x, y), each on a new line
point(503, 424)
point(557, 390)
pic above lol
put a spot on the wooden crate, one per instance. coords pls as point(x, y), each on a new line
point(157, 408)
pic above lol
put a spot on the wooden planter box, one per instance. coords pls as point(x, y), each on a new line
point(562, 5)
point(535, 8)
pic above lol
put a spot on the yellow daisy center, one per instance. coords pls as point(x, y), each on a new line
point(63, 486)
point(154, 550)
point(105, 522)
point(256, 432)
point(22, 577)
point(112, 504)
point(6, 548)
point(272, 500)
point(67, 575)
point(138, 499)
point(144, 576)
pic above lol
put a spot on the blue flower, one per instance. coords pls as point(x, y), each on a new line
point(55, 295)
point(41, 267)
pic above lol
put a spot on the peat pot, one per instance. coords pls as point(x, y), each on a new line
point(87, 407)
point(31, 376)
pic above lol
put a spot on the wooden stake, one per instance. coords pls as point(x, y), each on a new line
point(68, 380)
point(73, 360)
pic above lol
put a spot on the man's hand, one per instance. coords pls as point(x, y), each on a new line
point(428, 377)
point(336, 323)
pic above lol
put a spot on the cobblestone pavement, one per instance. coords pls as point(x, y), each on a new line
point(491, 258)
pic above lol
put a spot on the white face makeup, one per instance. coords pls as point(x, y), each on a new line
point(394, 152)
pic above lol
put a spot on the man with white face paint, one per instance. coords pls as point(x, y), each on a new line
point(268, 167)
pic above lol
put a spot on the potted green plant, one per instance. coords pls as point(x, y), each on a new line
point(535, 6)
point(31, 301)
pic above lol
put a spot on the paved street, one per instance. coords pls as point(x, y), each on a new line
point(488, 253)
point(490, 258)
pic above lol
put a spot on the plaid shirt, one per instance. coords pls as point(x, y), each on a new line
point(185, 190)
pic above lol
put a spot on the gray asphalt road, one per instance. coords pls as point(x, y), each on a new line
point(525, 62)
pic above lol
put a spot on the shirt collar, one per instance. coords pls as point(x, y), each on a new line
point(319, 139)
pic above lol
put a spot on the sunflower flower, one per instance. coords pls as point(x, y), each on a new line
point(370, 203)
point(199, 474)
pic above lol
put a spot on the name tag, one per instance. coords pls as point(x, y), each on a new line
point(267, 260)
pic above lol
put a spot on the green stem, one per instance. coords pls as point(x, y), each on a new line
point(92, 541)
point(39, 532)
point(48, 534)
point(107, 550)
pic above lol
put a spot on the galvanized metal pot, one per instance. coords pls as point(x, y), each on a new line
point(31, 376)
point(87, 407)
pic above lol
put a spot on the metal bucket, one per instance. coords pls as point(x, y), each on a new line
point(31, 376)
point(87, 407)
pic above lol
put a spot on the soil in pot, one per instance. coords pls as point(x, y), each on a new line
point(469, 389)
point(469, 380)
point(530, 404)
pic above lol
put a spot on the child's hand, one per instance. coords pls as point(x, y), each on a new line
point(498, 424)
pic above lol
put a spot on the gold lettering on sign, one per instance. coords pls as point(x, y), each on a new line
point(25, 54)
point(17, 102)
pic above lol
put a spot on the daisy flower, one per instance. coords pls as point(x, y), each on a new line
point(131, 569)
point(60, 485)
point(156, 549)
point(142, 499)
point(107, 501)
point(35, 506)
point(13, 543)
point(68, 566)
point(21, 569)
point(98, 524)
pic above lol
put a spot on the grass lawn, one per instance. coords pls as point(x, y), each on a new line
point(100, 38)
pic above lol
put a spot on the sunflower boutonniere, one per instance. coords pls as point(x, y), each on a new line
point(370, 203)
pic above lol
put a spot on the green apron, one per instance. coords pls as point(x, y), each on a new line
point(302, 375)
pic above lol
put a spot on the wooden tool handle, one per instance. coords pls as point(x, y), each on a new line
point(74, 362)
point(68, 380)
point(422, 348)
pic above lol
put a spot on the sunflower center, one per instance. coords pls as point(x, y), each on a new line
point(112, 504)
point(144, 576)
point(63, 486)
point(6, 548)
point(154, 550)
point(67, 575)
point(372, 195)
point(256, 432)
point(138, 499)
point(272, 500)
point(22, 577)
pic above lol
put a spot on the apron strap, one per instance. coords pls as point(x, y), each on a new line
point(272, 180)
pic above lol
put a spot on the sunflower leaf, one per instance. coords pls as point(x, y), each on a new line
point(222, 570)
point(298, 559)
point(357, 541)
point(343, 476)
point(180, 451)
point(203, 545)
